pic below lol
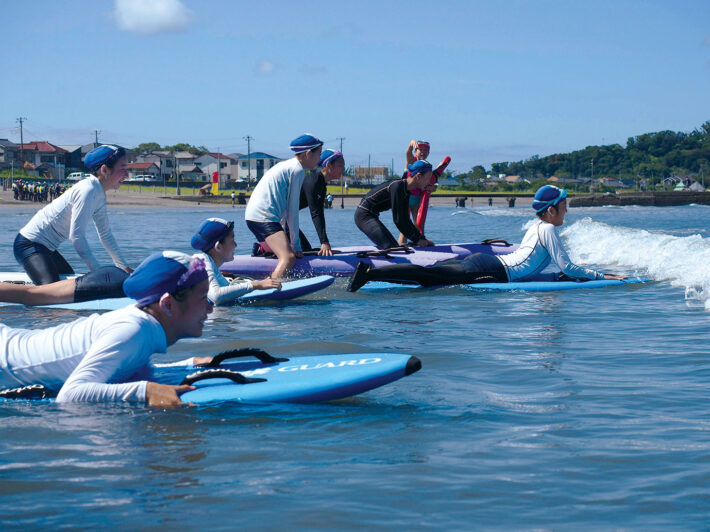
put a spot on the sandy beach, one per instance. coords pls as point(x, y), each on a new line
point(148, 198)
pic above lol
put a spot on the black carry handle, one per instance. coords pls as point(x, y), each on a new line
point(384, 252)
point(491, 241)
point(262, 355)
point(31, 392)
point(233, 376)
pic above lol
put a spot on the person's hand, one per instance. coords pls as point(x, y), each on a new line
point(267, 283)
point(201, 361)
point(424, 243)
point(165, 395)
point(325, 250)
point(615, 277)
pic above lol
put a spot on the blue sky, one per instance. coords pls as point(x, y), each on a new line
point(483, 81)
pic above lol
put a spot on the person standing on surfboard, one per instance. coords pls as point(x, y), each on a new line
point(394, 195)
point(314, 193)
point(418, 150)
point(36, 244)
point(274, 204)
point(215, 241)
point(107, 357)
point(540, 246)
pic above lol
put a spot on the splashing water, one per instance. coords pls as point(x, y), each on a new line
point(681, 260)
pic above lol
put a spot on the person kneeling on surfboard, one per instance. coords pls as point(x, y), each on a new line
point(215, 240)
point(274, 204)
point(394, 195)
point(540, 246)
point(314, 193)
point(107, 357)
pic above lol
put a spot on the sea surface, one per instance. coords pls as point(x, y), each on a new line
point(577, 410)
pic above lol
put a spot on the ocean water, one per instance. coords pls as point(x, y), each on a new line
point(579, 410)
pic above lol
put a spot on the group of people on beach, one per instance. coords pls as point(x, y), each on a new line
point(107, 357)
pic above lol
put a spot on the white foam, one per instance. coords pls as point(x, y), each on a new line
point(682, 260)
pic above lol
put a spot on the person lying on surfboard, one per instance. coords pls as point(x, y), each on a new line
point(540, 246)
point(418, 150)
point(394, 195)
point(313, 196)
point(107, 357)
point(274, 204)
point(215, 241)
point(35, 247)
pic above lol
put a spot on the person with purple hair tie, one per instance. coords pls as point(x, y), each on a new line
point(107, 357)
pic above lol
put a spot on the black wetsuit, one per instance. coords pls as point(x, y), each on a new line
point(313, 193)
point(389, 195)
point(476, 268)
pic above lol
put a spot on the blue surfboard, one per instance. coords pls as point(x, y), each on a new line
point(269, 379)
point(290, 380)
point(289, 290)
point(527, 286)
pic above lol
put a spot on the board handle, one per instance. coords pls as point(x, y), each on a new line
point(263, 356)
point(233, 376)
point(384, 252)
point(492, 241)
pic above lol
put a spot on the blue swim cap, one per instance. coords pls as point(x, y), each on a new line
point(210, 232)
point(329, 156)
point(105, 154)
point(419, 167)
point(304, 143)
point(163, 273)
point(546, 196)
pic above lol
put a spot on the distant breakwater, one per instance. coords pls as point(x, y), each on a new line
point(653, 199)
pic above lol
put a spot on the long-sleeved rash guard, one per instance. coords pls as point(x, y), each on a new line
point(90, 359)
point(539, 247)
point(67, 217)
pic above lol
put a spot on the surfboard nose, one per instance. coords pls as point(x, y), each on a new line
point(413, 365)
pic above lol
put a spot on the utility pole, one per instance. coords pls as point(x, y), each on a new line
point(96, 137)
point(369, 170)
point(22, 141)
point(177, 175)
point(248, 138)
point(219, 169)
point(341, 139)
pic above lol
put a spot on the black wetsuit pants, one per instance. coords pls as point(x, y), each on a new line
point(41, 264)
point(374, 229)
point(476, 268)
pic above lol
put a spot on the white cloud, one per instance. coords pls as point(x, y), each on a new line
point(148, 17)
point(265, 67)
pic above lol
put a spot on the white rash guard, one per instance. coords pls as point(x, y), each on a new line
point(539, 247)
point(90, 359)
point(221, 292)
point(67, 217)
point(276, 198)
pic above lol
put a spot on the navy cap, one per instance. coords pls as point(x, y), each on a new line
point(329, 156)
point(105, 154)
point(419, 167)
point(304, 143)
point(546, 196)
point(163, 273)
point(210, 232)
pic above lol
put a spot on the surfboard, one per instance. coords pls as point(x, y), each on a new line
point(290, 380)
point(267, 379)
point(526, 286)
point(345, 259)
point(289, 290)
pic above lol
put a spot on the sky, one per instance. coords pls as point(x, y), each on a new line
point(482, 81)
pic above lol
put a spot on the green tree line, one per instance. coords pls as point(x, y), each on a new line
point(650, 157)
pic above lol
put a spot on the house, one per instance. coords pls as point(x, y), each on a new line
point(515, 179)
point(192, 173)
point(74, 157)
point(162, 159)
point(372, 175)
point(227, 166)
point(136, 169)
point(612, 183)
point(253, 166)
point(9, 154)
point(41, 152)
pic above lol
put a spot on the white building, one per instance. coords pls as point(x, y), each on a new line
point(254, 165)
point(227, 166)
